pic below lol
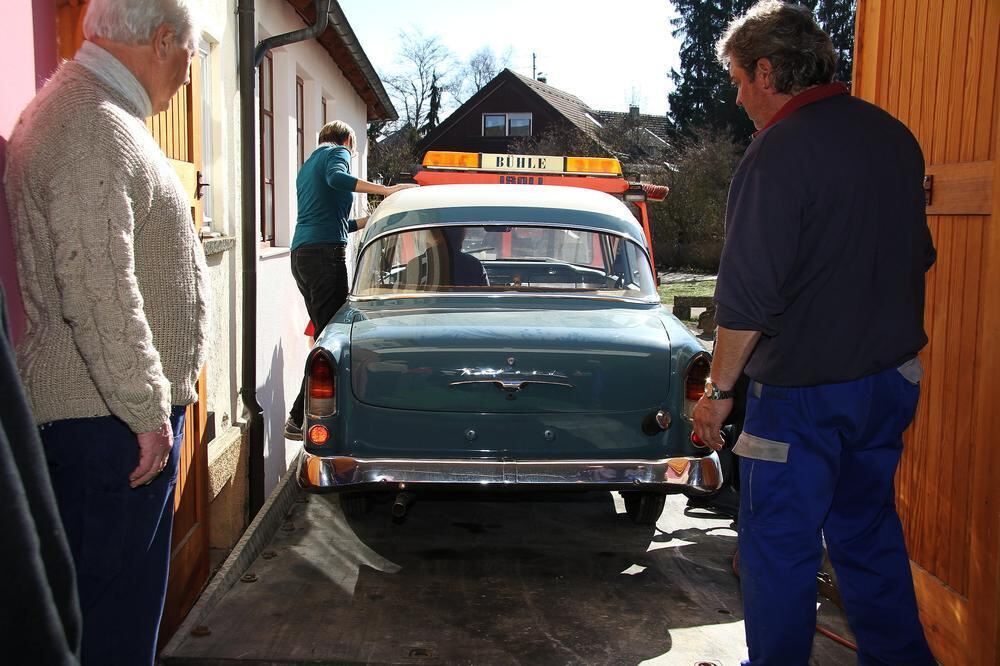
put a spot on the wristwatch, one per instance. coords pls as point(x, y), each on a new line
point(713, 392)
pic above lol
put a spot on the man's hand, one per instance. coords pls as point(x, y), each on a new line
point(361, 222)
point(708, 418)
point(154, 451)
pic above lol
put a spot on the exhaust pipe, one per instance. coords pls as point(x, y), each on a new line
point(402, 504)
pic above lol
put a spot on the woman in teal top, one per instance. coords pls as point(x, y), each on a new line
point(325, 189)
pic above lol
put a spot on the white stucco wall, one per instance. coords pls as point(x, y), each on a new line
point(281, 345)
point(221, 170)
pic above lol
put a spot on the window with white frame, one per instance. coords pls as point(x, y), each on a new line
point(518, 124)
point(267, 151)
point(494, 124)
point(300, 120)
point(506, 124)
point(205, 66)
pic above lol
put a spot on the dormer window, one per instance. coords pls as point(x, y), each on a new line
point(506, 124)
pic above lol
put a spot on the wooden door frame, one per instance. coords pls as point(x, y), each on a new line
point(963, 628)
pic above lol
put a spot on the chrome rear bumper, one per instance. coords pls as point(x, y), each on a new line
point(700, 475)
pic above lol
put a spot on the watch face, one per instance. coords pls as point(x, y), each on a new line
point(713, 392)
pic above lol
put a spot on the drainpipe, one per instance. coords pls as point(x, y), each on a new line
point(249, 60)
point(322, 8)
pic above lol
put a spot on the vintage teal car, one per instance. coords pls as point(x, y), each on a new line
point(504, 336)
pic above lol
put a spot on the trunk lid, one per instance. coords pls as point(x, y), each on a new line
point(510, 360)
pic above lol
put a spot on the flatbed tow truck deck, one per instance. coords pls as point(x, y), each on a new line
point(514, 579)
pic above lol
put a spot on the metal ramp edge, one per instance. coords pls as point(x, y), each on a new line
point(257, 535)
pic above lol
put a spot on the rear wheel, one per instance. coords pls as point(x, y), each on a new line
point(643, 508)
point(355, 505)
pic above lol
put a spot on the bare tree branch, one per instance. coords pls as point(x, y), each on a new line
point(426, 69)
point(481, 68)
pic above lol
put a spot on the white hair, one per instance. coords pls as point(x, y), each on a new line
point(133, 21)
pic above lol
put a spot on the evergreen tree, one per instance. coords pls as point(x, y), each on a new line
point(703, 95)
point(433, 117)
point(837, 19)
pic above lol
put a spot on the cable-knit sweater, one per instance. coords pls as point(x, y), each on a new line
point(112, 274)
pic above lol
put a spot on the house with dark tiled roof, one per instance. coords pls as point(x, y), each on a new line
point(512, 108)
point(648, 140)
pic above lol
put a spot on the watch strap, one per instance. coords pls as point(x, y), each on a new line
point(713, 392)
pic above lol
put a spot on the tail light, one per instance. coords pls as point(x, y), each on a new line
point(321, 387)
point(694, 381)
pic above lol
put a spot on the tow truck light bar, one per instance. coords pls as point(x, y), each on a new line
point(551, 164)
point(601, 174)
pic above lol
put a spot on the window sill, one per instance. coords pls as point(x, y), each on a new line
point(274, 251)
point(218, 245)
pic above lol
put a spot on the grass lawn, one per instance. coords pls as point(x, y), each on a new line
point(700, 288)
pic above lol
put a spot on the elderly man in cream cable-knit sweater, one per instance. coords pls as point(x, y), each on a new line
point(114, 284)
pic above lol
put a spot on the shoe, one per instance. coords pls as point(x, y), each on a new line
point(293, 430)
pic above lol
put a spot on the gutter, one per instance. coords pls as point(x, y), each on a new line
point(249, 58)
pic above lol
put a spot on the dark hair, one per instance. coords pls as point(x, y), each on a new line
point(801, 54)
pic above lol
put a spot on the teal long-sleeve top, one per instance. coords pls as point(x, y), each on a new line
point(325, 190)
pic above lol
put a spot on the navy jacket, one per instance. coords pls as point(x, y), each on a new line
point(827, 245)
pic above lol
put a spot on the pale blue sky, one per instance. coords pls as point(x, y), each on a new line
point(605, 53)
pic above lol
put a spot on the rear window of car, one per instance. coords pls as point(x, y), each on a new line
point(497, 258)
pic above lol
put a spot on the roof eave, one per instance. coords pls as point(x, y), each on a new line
point(345, 50)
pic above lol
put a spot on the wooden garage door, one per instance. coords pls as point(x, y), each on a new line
point(935, 66)
point(177, 131)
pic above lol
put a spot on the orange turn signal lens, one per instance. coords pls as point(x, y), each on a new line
point(319, 435)
point(451, 160)
point(600, 165)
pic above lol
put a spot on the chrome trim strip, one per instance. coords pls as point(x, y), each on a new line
point(650, 300)
point(510, 384)
point(700, 475)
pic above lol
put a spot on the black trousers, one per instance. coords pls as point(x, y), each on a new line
point(320, 271)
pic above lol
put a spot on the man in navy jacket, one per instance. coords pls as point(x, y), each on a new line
point(820, 301)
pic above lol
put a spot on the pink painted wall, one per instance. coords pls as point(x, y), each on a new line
point(28, 51)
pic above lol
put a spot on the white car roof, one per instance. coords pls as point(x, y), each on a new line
point(540, 204)
point(525, 196)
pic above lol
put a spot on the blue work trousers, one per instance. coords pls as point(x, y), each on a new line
point(819, 462)
point(119, 536)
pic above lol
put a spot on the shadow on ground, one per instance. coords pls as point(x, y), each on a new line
point(487, 579)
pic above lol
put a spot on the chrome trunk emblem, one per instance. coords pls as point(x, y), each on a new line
point(509, 381)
